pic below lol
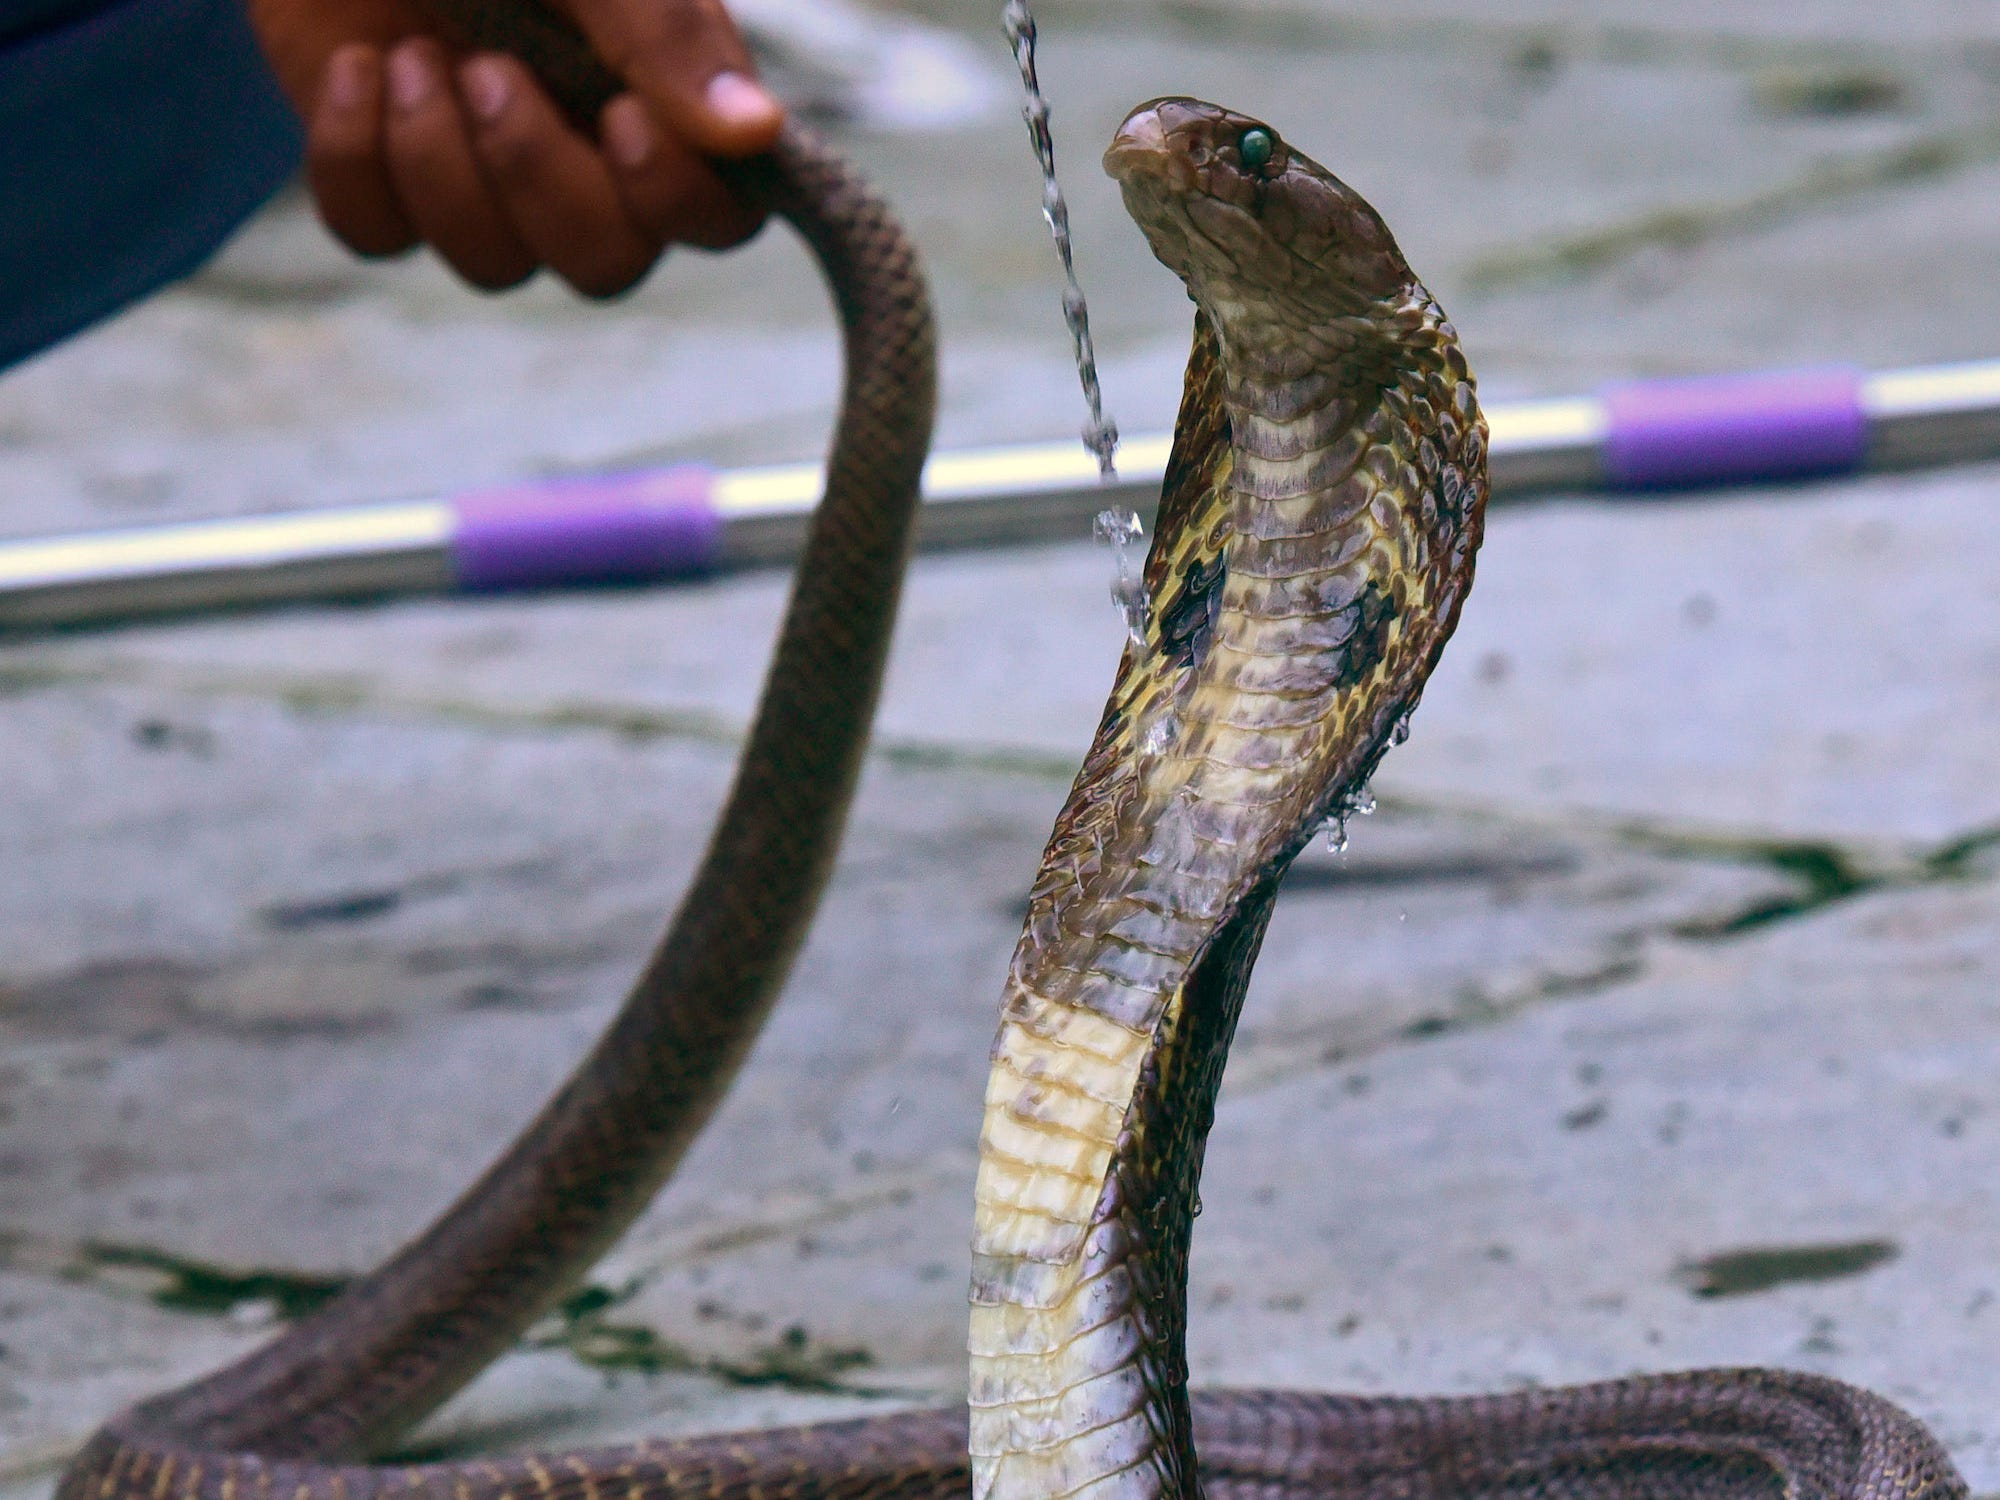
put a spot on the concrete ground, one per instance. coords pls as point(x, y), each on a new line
point(1654, 1021)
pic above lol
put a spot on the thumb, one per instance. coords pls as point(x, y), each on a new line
point(686, 60)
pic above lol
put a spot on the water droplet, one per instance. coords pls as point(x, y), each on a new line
point(1401, 732)
point(1356, 804)
point(1197, 1205)
point(1122, 528)
point(1130, 597)
point(1118, 524)
point(1100, 436)
point(1160, 734)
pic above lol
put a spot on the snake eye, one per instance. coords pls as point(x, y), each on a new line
point(1256, 147)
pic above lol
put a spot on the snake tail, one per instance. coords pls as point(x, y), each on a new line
point(348, 1379)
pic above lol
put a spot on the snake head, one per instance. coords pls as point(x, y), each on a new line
point(1226, 204)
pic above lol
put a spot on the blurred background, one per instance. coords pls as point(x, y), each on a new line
point(1593, 190)
point(1654, 1021)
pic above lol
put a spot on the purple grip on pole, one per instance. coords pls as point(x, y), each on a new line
point(615, 528)
point(1733, 428)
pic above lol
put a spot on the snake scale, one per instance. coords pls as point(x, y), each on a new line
point(1317, 531)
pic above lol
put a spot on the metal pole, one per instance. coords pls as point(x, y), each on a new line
point(1649, 437)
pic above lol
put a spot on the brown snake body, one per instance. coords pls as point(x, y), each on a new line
point(1316, 537)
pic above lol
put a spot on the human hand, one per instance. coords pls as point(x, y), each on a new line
point(410, 142)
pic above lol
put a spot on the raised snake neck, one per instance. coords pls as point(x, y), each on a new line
point(298, 1419)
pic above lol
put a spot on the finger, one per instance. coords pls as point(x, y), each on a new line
point(686, 59)
point(667, 188)
point(300, 36)
point(437, 176)
point(553, 185)
point(345, 160)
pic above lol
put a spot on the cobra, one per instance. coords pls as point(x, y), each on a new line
point(1316, 539)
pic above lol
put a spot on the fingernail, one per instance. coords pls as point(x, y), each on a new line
point(409, 78)
point(346, 85)
point(628, 134)
point(736, 100)
point(487, 88)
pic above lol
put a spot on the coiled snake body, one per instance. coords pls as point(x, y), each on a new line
point(1316, 537)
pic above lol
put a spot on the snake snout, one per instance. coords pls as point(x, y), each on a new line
point(1191, 147)
point(1146, 146)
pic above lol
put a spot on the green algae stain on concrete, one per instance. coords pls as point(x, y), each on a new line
point(795, 1361)
point(175, 1282)
point(1738, 1273)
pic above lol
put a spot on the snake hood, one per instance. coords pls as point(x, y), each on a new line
point(1230, 208)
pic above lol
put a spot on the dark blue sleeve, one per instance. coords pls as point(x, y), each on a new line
point(136, 136)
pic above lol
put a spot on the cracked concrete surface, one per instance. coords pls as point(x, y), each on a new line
point(1650, 1023)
